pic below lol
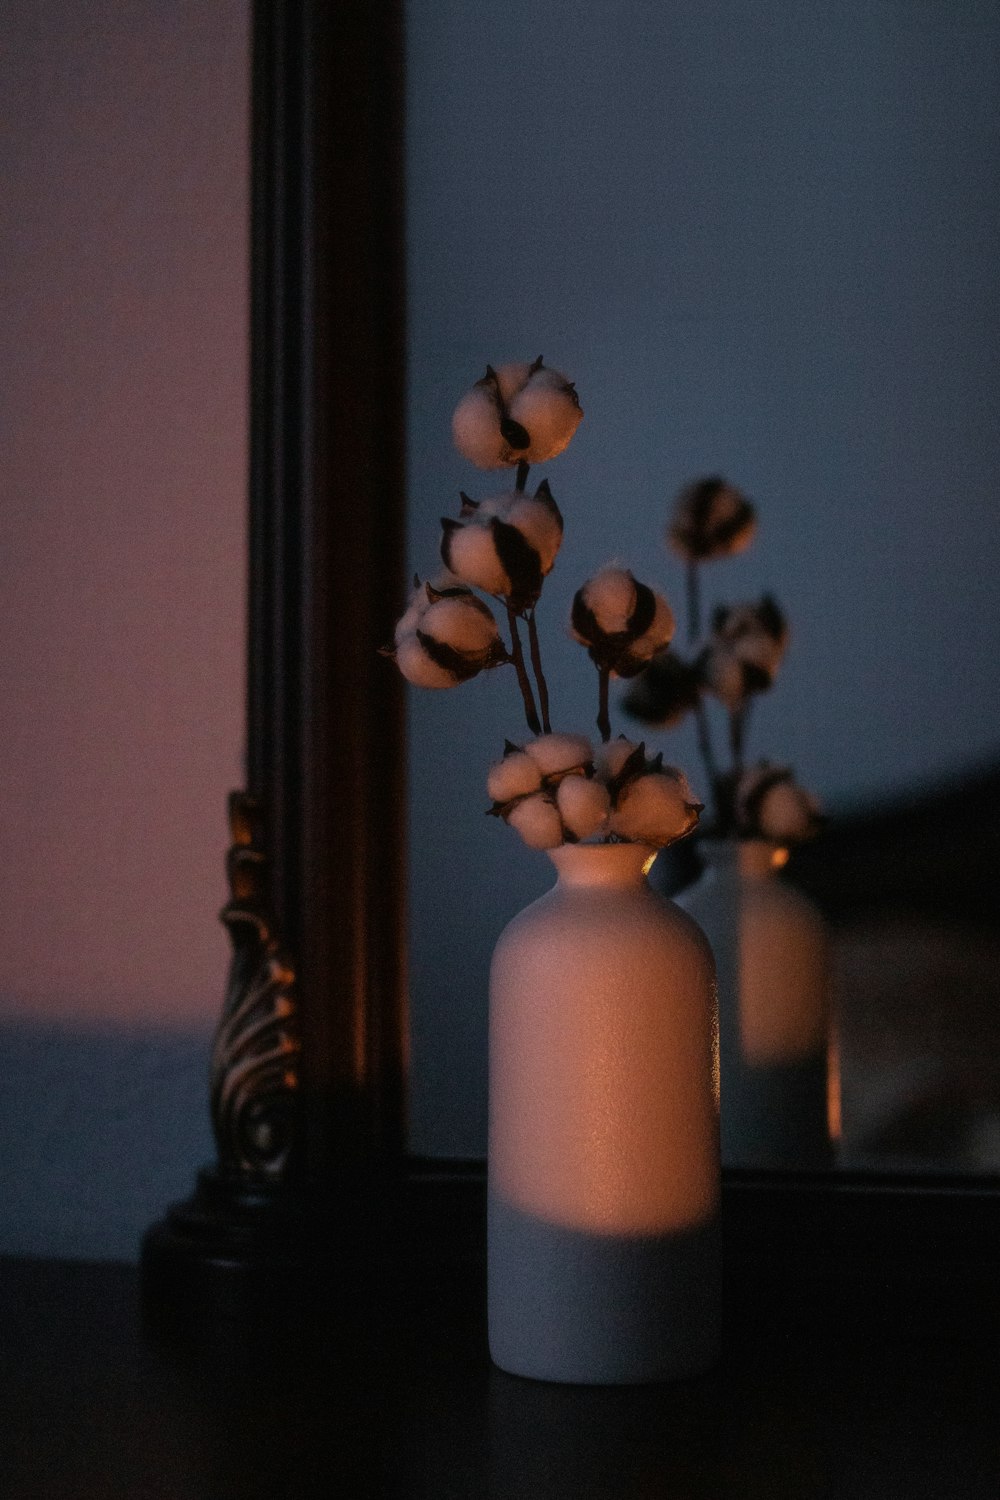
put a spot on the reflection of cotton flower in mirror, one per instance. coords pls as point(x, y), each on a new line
point(770, 804)
point(662, 694)
point(745, 650)
point(622, 622)
point(517, 413)
point(505, 545)
point(711, 519)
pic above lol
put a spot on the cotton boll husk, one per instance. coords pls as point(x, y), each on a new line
point(417, 667)
point(464, 624)
point(612, 757)
point(516, 775)
point(610, 597)
point(655, 809)
point(538, 822)
point(539, 526)
point(475, 429)
point(787, 812)
point(554, 754)
point(584, 805)
point(471, 554)
point(548, 409)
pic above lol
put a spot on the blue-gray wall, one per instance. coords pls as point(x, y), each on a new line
point(762, 239)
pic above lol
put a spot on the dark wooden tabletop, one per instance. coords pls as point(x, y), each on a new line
point(394, 1395)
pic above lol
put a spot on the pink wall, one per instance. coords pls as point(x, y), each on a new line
point(123, 367)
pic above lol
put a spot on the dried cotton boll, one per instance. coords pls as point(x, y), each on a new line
point(584, 805)
point(419, 668)
point(506, 544)
point(465, 626)
point(538, 822)
point(711, 519)
point(548, 409)
point(517, 413)
point(656, 809)
point(516, 775)
point(609, 599)
point(622, 622)
point(558, 754)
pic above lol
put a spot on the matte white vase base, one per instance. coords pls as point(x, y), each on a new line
point(581, 1308)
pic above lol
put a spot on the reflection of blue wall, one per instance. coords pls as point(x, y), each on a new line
point(762, 238)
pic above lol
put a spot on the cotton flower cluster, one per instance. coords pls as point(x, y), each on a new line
point(505, 545)
point(771, 805)
point(556, 790)
point(623, 623)
point(519, 413)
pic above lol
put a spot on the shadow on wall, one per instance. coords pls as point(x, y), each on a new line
point(99, 1128)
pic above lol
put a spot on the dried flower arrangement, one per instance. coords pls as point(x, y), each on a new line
point(555, 788)
point(733, 662)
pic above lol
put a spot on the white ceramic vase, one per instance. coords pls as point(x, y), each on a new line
point(771, 956)
point(603, 1263)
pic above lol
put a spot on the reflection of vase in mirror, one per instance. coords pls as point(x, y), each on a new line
point(779, 1096)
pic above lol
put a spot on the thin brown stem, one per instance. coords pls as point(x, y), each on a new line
point(536, 662)
point(707, 754)
point(603, 715)
point(737, 728)
point(523, 680)
point(693, 602)
point(522, 474)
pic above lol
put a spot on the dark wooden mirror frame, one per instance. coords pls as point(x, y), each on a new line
point(308, 1092)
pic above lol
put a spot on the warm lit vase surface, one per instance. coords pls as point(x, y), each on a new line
point(604, 1138)
point(772, 961)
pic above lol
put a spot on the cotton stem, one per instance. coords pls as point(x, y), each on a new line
point(522, 474)
point(536, 662)
point(603, 715)
point(523, 680)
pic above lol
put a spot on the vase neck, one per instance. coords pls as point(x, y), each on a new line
point(755, 858)
point(596, 865)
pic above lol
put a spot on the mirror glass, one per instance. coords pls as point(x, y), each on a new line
point(762, 241)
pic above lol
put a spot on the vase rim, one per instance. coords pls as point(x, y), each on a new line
point(602, 864)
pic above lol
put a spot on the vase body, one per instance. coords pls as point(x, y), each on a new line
point(603, 1263)
point(776, 1043)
